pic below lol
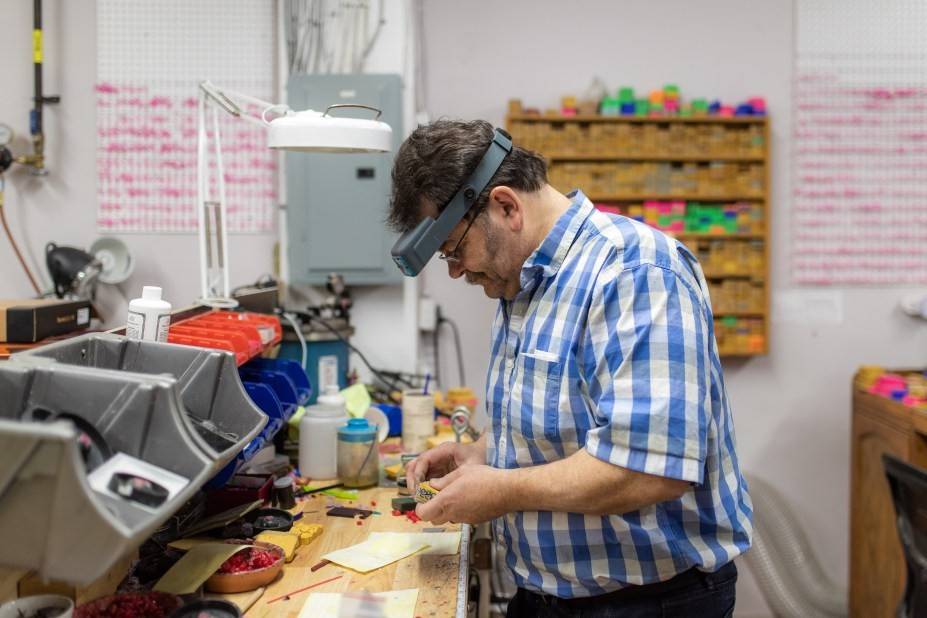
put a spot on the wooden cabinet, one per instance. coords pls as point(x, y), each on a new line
point(877, 569)
point(704, 180)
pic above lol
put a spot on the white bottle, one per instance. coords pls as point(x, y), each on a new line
point(149, 316)
point(318, 435)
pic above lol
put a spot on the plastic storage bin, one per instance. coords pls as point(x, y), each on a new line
point(61, 428)
point(277, 387)
point(214, 400)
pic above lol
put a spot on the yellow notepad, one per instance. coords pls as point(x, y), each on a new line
point(375, 553)
point(439, 543)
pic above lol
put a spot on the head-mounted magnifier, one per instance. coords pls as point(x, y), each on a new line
point(414, 248)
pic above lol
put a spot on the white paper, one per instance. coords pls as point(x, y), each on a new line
point(392, 604)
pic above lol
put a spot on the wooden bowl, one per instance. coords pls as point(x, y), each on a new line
point(225, 583)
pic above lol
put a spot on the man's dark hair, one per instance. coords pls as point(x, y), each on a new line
point(437, 158)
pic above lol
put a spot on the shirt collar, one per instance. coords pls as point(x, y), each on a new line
point(548, 257)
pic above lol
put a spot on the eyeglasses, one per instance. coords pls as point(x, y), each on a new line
point(451, 256)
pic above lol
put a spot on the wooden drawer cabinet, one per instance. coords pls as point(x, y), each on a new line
point(877, 569)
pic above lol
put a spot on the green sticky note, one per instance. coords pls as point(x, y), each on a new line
point(341, 494)
point(356, 400)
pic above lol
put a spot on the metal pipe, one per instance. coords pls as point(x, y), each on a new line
point(36, 160)
point(35, 123)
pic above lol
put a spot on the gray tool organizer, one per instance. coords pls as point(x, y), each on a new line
point(102, 439)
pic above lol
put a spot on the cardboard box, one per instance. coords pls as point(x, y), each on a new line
point(27, 321)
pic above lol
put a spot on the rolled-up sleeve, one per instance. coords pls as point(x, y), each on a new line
point(645, 362)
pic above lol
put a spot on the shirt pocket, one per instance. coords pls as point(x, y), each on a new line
point(541, 374)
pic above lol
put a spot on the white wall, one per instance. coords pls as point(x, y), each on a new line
point(61, 207)
point(792, 408)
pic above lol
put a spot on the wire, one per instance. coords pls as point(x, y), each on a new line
point(373, 38)
point(334, 331)
point(421, 102)
point(299, 335)
point(402, 377)
point(9, 235)
point(457, 346)
point(435, 344)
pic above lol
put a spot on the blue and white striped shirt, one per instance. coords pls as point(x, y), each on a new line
point(609, 347)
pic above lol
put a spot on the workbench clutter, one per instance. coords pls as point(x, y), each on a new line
point(268, 573)
point(230, 519)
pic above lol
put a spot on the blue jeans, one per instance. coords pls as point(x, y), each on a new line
point(693, 593)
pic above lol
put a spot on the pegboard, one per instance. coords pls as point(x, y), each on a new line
point(859, 209)
point(151, 57)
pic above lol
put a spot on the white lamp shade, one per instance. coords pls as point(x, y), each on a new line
point(310, 131)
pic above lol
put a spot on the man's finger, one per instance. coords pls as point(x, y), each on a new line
point(432, 511)
point(412, 472)
point(442, 482)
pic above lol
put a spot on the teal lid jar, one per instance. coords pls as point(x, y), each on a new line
point(358, 456)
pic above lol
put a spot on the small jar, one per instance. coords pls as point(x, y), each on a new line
point(358, 457)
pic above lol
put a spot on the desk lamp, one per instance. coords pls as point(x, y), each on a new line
point(299, 131)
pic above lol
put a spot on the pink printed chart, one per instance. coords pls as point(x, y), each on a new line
point(151, 58)
point(859, 206)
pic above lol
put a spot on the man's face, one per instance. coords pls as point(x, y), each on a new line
point(483, 257)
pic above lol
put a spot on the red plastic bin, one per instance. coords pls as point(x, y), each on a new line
point(251, 345)
point(267, 325)
point(243, 333)
point(241, 355)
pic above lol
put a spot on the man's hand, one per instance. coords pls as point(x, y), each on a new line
point(444, 459)
point(471, 494)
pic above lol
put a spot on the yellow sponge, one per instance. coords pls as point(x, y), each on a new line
point(307, 532)
point(287, 541)
point(392, 471)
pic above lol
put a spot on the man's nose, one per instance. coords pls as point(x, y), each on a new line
point(455, 270)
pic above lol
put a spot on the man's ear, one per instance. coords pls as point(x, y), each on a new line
point(508, 208)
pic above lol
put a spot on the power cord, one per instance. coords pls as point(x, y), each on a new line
point(436, 346)
point(379, 374)
point(297, 328)
point(457, 346)
point(9, 235)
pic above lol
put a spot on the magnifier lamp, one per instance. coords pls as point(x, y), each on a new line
point(299, 131)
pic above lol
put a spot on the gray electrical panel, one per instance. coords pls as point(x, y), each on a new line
point(337, 203)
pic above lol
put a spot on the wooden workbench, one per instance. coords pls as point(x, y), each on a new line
point(441, 580)
point(438, 578)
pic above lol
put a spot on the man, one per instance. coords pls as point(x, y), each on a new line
point(609, 469)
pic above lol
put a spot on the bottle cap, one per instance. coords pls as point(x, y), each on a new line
point(151, 292)
point(331, 397)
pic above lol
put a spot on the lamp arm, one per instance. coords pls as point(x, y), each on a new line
point(223, 98)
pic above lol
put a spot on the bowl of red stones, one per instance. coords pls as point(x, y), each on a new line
point(248, 569)
point(130, 605)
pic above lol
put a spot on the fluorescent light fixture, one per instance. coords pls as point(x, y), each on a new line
point(305, 131)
